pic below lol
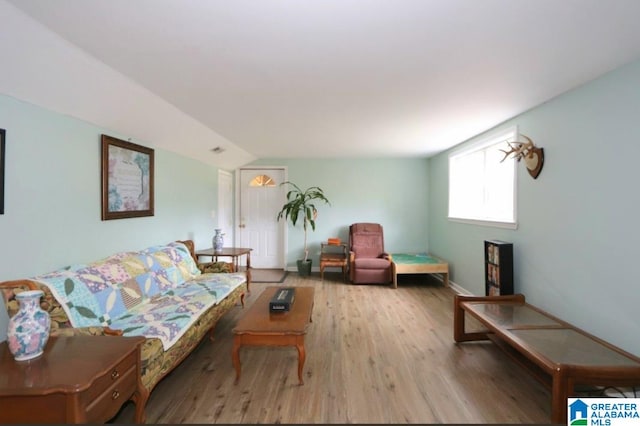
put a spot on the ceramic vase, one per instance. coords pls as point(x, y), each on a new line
point(218, 240)
point(28, 330)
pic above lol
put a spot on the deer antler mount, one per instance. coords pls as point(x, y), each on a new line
point(533, 156)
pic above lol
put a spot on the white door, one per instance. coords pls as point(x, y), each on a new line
point(260, 200)
point(225, 206)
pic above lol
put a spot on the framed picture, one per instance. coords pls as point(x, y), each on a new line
point(3, 134)
point(127, 179)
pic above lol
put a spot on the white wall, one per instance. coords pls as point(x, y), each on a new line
point(576, 247)
point(41, 67)
point(52, 197)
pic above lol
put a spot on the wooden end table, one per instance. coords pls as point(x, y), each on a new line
point(336, 259)
point(80, 379)
point(259, 327)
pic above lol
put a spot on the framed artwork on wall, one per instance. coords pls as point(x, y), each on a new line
point(3, 134)
point(127, 179)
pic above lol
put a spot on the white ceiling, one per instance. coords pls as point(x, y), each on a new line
point(349, 78)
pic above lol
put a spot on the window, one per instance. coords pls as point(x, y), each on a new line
point(262, 180)
point(481, 187)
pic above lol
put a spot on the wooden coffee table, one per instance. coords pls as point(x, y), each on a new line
point(259, 327)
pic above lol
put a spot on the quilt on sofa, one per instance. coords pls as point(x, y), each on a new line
point(157, 292)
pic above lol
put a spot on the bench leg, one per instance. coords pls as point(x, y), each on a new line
point(560, 389)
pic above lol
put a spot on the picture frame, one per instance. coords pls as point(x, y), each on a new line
point(127, 179)
point(3, 135)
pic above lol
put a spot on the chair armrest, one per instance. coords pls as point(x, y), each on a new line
point(386, 255)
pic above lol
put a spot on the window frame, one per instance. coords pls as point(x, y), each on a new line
point(508, 134)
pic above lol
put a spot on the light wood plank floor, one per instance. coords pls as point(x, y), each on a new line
point(374, 355)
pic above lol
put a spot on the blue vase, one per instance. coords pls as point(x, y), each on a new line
point(28, 330)
point(218, 240)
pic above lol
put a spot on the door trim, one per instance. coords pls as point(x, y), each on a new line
point(231, 240)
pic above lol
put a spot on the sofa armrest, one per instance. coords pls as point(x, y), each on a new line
point(85, 331)
point(9, 289)
point(21, 284)
point(216, 267)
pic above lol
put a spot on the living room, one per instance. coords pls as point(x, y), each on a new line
point(574, 248)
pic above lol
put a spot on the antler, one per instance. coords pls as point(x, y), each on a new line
point(519, 148)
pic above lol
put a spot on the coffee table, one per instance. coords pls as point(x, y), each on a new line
point(557, 353)
point(259, 327)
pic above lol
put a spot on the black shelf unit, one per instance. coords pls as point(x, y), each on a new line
point(498, 267)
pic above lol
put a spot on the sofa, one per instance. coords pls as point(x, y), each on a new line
point(160, 293)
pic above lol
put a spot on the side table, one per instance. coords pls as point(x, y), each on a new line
point(337, 259)
point(79, 379)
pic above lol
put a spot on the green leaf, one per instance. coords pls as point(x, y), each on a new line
point(177, 317)
point(126, 330)
point(68, 286)
point(86, 312)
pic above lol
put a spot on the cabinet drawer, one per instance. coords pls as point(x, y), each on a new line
point(112, 376)
point(106, 405)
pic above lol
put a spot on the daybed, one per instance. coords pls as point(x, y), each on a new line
point(159, 293)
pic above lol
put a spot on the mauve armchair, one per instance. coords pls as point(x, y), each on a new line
point(368, 262)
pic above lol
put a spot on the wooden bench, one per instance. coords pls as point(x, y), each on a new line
point(558, 354)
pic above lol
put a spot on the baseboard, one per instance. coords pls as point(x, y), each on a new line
point(460, 290)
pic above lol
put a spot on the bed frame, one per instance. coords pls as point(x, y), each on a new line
point(418, 263)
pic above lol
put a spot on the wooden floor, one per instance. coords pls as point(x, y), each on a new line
point(374, 355)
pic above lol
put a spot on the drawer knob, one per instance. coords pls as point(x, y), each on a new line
point(114, 374)
point(115, 395)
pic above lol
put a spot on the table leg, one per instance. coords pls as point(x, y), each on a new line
point(301, 358)
point(235, 356)
point(559, 394)
point(248, 272)
point(140, 400)
point(395, 275)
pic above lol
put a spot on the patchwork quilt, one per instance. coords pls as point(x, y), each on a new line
point(157, 292)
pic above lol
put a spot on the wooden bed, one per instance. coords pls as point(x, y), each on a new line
point(418, 263)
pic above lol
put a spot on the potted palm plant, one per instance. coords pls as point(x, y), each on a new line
point(300, 204)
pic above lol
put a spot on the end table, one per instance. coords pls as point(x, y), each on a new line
point(337, 259)
point(79, 379)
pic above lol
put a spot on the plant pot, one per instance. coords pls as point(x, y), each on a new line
point(304, 267)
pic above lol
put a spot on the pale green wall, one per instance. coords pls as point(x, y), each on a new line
point(392, 192)
point(576, 246)
point(52, 197)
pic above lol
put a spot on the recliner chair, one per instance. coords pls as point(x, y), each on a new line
point(368, 262)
